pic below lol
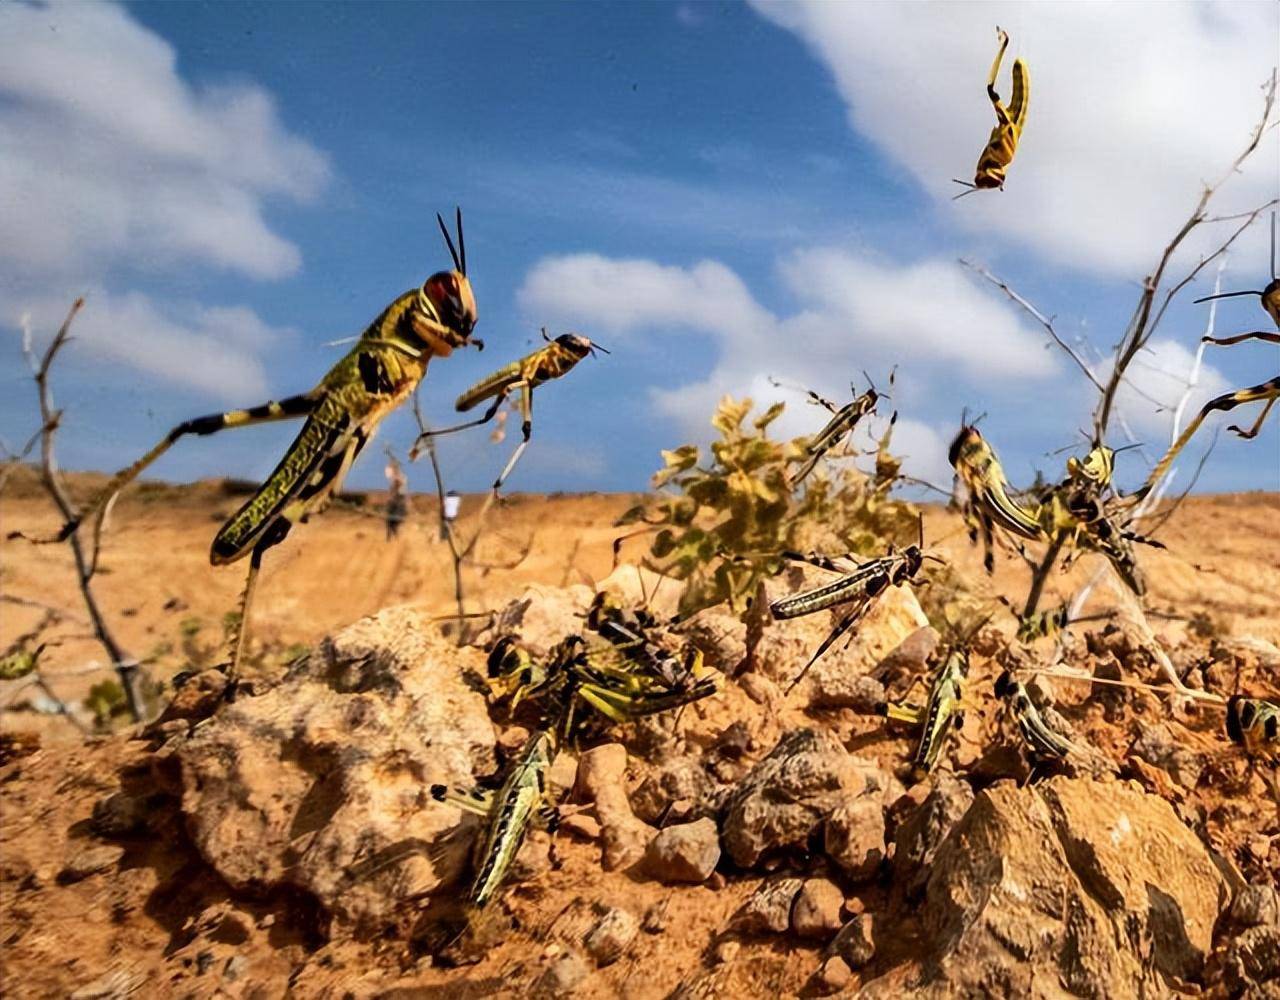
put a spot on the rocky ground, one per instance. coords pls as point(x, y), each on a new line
point(761, 844)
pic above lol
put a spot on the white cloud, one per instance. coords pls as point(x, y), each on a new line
point(860, 313)
point(214, 351)
point(107, 155)
point(1132, 107)
point(1154, 384)
point(111, 164)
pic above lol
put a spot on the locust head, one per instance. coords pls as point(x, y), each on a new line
point(444, 314)
point(576, 345)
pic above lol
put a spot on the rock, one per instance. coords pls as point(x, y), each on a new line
point(862, 694)
point(121, 814)
point(533, 858)
point(542, 616)
point(581, 825)
point(816, 912)
point(1255, 906)
point(768, 909)
point(1089, 887)
point(832, 976)
point(923, 830)
point(784, 647)
point(759, 688)
point(655, 917)
point(854, 838)
point(680, 780)
point(612, 936)
point(910, 657)
point(786, 797)
point(1158, 747)
point(1251, 962)
point(726, 951)
point(562, 976)
point(319, 783)
point(687, 852)
point(512, 741)
point(855, 942)
point(90, 861)
point(639, 587)
point(196, 699)
point(602, 774)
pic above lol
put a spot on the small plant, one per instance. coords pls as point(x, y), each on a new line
point(106, 700)
point(722, 527)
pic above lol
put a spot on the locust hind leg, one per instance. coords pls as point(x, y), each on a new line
point(489, 414)
point(843, 626)
point(273, 536)
point(1252, 432)
point(526, 431)
point(294, 406)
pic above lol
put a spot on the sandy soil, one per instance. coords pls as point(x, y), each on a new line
point(162, 923)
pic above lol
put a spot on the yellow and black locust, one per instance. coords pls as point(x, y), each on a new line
point(341, 414)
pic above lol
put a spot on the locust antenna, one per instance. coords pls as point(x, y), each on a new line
point(972, 188)
point(462, 243)
point(449, 243)
point(1225, 295)
point(599, 347)
point(1274, 275)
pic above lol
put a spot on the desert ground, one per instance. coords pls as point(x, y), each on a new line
point(159, 910)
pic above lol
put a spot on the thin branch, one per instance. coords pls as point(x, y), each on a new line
point(1039, 317)
point(446, 525)
point(1142, 325)
point(126, 666)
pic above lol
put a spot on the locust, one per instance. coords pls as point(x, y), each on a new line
point(1049, 622)
point(619, 688)
point(1042, 742)
point(942, 712)
point(842, 424)
point(1010, 120)
point(858, 589)
point(341, 414)
point(523, 798)
point(553, 361)
point(1265, 392)
point(1254, 724)
point(989, 503)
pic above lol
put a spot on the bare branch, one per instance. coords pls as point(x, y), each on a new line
point(1039, 317)
point(1142, 325)
point(126, 666)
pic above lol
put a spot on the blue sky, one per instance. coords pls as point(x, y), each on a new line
point(717, 192)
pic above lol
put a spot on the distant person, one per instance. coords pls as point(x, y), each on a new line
point(452, 504)
point(397, 496)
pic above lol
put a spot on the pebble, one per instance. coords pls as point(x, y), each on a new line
point(854, 943)
point(687, 852)
point(816, 911)
point(768, 909)
point(581, 825)
point(833, 975)
point(90, 861)
point(562, 976)
point(612, 936)
point(727, 951)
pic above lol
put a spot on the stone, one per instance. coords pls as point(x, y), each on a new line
point(861, 693)
point(854, 838)
point(759, 688)
point(1157, 746)
point(581, 825)
point(924, 829)
point(121, 814)
point(816, 911)
point(726, 951)
point(768, 909)
point(115, 984)
point(198, 698)
point(640, 587)
point(543, 615)
point(562, 976)
point(602, 773)
point(1094, 888)
point(90, 861)
point(512, 741)
point(910, 657)
point(322, 784)
point(686, 852)
point(655, 917)
point(832, 976)
point(610, 938)
point(1255, 906)
point(787, 796)
point(855, 941)
point(679, 780)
